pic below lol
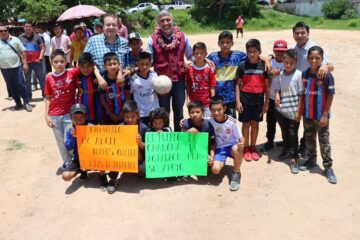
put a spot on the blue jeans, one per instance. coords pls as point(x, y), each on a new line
point(177, 94)
point(62, 124)
point(40, 75)
point(14, 78)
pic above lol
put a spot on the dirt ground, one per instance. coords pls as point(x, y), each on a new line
point(272, 203)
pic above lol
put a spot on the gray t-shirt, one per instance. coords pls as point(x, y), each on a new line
point(291, 88)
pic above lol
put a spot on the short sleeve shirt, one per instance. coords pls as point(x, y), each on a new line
point(226, 73)
point(200, 81)
point(62, 43)
point(205, 127)
point(302, 62)
point(32, 46)
point(227, 133)
point(275, 65)
point(8, 57)
point(97, 46)
point(316, 92)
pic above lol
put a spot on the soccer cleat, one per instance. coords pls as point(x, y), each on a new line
point(254, 154)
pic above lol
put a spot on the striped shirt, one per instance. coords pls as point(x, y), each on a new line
point(291, 88)
point(226, 73)
point(97, 46)
point(316, 92)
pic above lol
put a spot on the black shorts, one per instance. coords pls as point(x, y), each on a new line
point(251, 113)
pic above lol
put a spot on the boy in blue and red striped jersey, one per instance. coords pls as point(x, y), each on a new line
point(112, 99)
point(253, 82)
point(318, 97)
point(88, 92)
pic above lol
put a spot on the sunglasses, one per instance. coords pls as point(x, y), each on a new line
point(3, 31)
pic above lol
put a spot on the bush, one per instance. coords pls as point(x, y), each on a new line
point(349, 13)
point(335, 9)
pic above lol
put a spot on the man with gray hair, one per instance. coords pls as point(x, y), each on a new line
point(168, 46)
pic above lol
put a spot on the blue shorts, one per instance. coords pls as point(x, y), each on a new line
point(222, 153)
point(251, 113)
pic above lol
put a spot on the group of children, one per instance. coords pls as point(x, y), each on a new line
point(240, 82)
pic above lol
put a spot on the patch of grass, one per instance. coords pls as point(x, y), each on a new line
point(14, 145)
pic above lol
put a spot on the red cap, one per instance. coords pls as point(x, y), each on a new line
point(280, 45)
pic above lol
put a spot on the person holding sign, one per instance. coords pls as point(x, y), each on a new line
point(78, 117)
point(131, 116)
point(229, 141)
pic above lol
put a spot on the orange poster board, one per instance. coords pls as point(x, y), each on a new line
point(108, 147)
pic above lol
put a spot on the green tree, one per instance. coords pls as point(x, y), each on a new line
point(42, 10)
point(335, 9)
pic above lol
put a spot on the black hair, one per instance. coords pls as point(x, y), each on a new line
point(195, 104)
point(110, 56)
point(57, 52)
point(216, 100)
point(159, 113)
point(85, 57)
point(130, 106)
point(253, 43)
point(291, 53)
point(199, 45)
point(57, 25)
point(144, 55)
point(225, 34)
point(28, 22)
point(301, 25)
point(316, 48)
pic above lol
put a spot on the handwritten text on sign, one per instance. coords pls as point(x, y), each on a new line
point(108, 147)
point(170, 154)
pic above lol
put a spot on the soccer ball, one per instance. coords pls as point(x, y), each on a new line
point(162, 84)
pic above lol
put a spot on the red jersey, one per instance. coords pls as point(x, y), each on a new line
point(200, 81)
point(61, 89)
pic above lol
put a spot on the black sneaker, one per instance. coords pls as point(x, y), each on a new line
point(235, 181)
point(330, 175)
point(103, 182)
point(18, 106)
point(28, 107)
point(284, 155)
point(112, 186)
point(267, 146)
point(83, 175)
point(308, 165)
point(294, 167)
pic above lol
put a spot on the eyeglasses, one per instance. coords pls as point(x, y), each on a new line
point(3, 31)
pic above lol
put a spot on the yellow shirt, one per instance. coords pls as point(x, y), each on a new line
point(77, 48)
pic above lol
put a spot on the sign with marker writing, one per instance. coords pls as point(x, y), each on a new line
point(171, 154)
point(108, 147)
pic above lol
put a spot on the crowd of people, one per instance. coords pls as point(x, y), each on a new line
point(106, 78)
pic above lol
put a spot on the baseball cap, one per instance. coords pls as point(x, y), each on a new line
point(280, 45)
point(134, 35)
point(77, 108)
point(97, 22)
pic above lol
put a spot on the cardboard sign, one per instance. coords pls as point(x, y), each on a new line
point(108, 147)
point(170, 154)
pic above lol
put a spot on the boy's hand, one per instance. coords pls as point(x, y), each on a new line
point(210, 161)
point(192, 130)
point(268, 65)
point(73, 132)
point(103, 84)
point(138, 139)
point(181, 123)
point(277, 100)
point(211, 64)
point(239, 107)
point(48, 121)
point(323, 121)
point(265, 108)
point(323, 70)
point(275, 72)
point(120, 80)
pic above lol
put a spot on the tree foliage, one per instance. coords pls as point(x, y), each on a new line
point(336, 9)
point(41, 10)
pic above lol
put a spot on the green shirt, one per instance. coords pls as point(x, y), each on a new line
point(8, 58)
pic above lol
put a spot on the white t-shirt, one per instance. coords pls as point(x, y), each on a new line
point(63, 43)
point(291, 88)
point(275, 65)
point(144, 95)
point(227, 133)
point(47, 42)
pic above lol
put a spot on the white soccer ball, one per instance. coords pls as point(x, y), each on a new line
point(162, 84)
